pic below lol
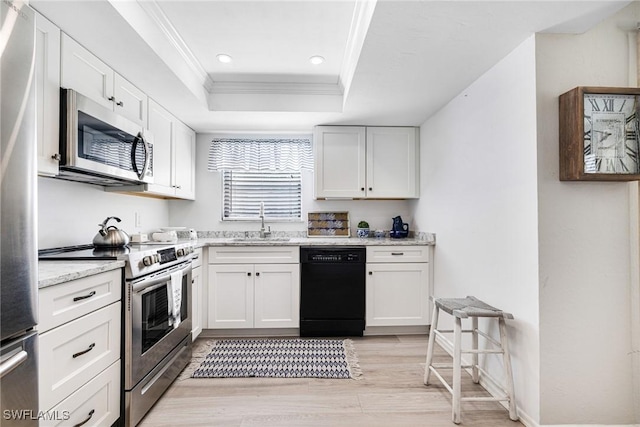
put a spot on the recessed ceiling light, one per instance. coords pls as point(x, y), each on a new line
point(316, 60)
point(224, 58)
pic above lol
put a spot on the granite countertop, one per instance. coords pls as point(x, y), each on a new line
point(310, 241)
point(55, 272)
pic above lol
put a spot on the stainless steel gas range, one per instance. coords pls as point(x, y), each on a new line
point(156, 316)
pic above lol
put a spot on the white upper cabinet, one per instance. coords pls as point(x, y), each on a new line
point(174, 149)
point(184, 160)
point(392, 163)
point(47, 95)
point(340, 155)
point(161, 127)
point(87, 74)
point(366, 162)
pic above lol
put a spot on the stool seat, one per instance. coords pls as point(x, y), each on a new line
point(469, 307)
point(472, 308)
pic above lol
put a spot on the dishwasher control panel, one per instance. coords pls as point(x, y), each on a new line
point(317, 255)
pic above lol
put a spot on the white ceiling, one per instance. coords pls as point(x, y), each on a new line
point(387, 62)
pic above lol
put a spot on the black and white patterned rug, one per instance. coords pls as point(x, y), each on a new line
point(280, 358)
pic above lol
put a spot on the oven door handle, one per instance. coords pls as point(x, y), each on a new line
point(151, 281)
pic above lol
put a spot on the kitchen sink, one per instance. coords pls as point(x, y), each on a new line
point(260, 239)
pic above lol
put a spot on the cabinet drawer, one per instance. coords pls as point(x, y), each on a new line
point(62, 303)
point(254, 255)
point(72, 354)
point(197, 258)
point(97, 402)
point(397, 254)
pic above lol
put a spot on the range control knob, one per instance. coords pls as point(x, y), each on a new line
point(148, 260)
point(181, 252)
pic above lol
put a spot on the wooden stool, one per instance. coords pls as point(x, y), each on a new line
point(461, 308)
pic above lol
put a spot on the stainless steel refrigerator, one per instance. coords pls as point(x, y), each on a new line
point(18, 239)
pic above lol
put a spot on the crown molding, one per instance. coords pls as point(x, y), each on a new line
point(152, 8)
point(271, 88)
point(362, 15)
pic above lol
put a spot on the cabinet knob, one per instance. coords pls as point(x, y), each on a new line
point(370, 188)
point(56, 157)
point(111, 98)
point(257, 273)
point(362, 189)
point(248, 274)
point(120, 104)
point(371, 273)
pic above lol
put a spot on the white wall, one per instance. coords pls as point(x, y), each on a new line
point(479, 196)
point(204, 214)
point(585, 320)
point(69, 212)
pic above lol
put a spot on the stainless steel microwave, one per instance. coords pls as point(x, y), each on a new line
point(101, 147)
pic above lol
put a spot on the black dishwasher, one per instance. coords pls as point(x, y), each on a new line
point(332, 291)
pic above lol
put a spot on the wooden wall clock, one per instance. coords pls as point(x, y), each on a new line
point(600, 134)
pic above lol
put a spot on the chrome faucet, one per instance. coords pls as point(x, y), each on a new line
point(264, 233)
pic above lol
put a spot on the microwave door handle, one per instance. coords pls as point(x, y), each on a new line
point(147, 156)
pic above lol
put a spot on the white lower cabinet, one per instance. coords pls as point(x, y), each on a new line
point(197, 296)
point(97, 403)
point(397, 286)
point(79, 350)
point(258, 294)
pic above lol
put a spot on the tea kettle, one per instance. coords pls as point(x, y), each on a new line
point(398, 225)
point(110, 236)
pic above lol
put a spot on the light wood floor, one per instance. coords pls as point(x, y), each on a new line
point(390, 393)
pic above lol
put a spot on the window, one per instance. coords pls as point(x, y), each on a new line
point(258, 171)
point(244, 191)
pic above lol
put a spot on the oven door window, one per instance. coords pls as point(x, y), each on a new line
point(156, 318)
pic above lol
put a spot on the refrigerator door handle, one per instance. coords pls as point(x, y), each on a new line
point(13, 362)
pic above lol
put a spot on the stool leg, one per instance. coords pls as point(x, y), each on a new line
point(474, 356)
point(432, 342)
point(457, 368)
point(513, 413)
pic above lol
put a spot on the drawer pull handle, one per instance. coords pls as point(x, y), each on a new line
point(80, 353)
point(397, 253)
point(92, 293)
point(87, 420)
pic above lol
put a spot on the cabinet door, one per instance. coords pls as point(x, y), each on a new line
point(47, 94)
point(161, 124)
point(184, 153)
point(230, 296)
point(85, 73)
point(130, 101)
point(397, 294)
point(339, 161)
point(277, 296)
point(392, 162)
point(196, 302)
point(96, 403)
point(72, 354)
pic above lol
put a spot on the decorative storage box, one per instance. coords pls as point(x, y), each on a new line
point(328, 224)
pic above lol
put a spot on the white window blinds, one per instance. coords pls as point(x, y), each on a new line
point(243, 193)
point(256, 171)
point(260, 154)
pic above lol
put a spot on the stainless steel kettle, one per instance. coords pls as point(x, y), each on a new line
point(110, 236)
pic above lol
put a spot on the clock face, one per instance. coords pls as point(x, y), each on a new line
point(611, 134)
